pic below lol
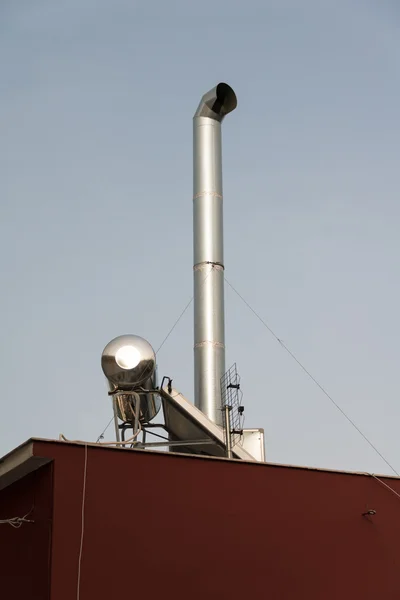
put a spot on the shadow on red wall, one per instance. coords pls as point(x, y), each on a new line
point(25, 553)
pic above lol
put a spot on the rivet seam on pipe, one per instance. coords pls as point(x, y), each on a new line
point(215, 265)
point(215, 194)
point(209, 342)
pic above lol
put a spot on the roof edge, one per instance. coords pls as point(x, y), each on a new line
point(33, 440)
point(20, 462)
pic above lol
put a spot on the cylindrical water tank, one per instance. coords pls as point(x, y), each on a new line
point(129, 363)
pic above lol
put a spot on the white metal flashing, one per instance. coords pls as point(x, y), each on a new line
point(19, 463)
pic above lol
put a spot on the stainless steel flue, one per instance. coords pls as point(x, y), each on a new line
point(208, 249)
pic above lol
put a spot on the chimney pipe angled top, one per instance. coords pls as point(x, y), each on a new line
point(217, 103)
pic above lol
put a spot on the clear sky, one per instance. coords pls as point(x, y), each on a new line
point(97, 98)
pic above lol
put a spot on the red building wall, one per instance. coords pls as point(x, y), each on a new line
point(25, 553)
point(166, 526)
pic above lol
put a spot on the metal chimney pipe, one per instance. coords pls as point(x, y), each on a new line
point(208, 249)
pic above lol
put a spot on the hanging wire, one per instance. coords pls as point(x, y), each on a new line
point(101, 436)
point(175, 324)
point(323, 390)
point(78, 587)
point(16, 522)
point(385, 485)
point(184, 310)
